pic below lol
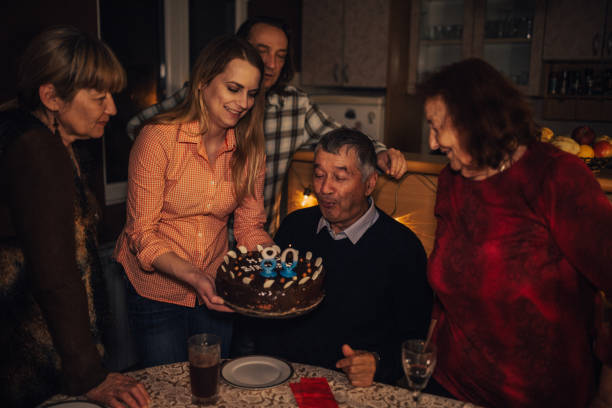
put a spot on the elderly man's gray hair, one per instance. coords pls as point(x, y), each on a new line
point(333, 141)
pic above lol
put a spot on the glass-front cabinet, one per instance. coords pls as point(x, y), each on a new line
point(442, 37)
point(441, 33)
point(506, 33)
point(511, 33)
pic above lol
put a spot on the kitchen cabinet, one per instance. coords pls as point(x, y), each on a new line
point(578, 90)
point(441, 33)
point(577, 109)
point(344, 43)
point(578, 31)
point(506, 33)
point(577, 52)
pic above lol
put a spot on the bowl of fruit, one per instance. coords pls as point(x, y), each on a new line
point(596, 151)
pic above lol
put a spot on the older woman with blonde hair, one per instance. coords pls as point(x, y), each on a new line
point(51, 288)
point(190, 169)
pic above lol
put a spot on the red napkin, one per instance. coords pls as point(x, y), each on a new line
point(313, 393)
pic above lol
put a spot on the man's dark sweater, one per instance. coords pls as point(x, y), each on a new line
point(377, 295)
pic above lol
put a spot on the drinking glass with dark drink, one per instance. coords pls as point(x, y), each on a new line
point(419, 361)
point(204, 358)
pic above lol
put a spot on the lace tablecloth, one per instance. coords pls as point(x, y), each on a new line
point(168, 386)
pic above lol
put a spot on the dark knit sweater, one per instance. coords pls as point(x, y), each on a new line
point(49, 277)
point(377, 295)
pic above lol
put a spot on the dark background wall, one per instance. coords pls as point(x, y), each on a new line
point(21, 20)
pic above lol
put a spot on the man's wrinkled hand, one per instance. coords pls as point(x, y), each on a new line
point(358, 365)
point(120, 391)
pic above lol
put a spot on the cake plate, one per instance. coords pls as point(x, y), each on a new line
point(298, 311)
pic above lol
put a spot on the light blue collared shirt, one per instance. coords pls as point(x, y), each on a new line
point(357, 229)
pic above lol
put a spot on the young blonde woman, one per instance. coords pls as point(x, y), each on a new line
point(50, 278)
point(189, 169)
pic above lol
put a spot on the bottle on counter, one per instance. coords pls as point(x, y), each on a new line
point(563, 83)
point(607, 88)
point(553, 83)
point(588, 81)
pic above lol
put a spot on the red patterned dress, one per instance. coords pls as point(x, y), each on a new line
point(517, 264)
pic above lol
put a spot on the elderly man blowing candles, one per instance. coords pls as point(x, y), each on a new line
point(376, 288)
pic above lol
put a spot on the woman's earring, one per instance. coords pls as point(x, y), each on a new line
point(55, 126)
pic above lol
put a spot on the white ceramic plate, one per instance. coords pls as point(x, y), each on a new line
point(73, 404)
point(256, 372)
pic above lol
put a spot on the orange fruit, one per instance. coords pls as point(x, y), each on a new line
point(546, 134)
point(586, 152)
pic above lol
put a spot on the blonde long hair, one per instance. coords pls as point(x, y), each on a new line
point(249, 156)
point(70, 60)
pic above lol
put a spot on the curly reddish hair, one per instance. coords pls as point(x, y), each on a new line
point(492, 117)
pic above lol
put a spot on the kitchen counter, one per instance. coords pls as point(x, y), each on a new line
point(433, 164)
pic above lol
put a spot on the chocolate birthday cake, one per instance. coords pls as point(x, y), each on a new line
point(269, 282)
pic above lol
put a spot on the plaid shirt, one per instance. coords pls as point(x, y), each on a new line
point(291, 122)
point(178, 202)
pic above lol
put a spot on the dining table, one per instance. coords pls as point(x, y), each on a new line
point(169, 386)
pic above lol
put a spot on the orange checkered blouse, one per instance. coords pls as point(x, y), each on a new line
point(178, 203)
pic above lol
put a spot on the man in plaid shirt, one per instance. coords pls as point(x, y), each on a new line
point(291, 120)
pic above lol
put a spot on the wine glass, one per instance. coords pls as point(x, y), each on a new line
point(419, 361)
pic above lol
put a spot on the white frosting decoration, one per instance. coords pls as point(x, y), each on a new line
point(318, 261)
point(226, 259)
point(232, 275)
point(242, 249)
point(259, 248)
point(295, 253)
point(308, 256)
point(270, 253)
point(288, 284)
point(303, 280)
point(268, 283)
point(278, 250)
point(232, 254)
point(250, 268)
point(317, 272)
point(223, 267)
point(246, 280)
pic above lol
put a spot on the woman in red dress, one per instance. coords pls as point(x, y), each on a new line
point(522, 250)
